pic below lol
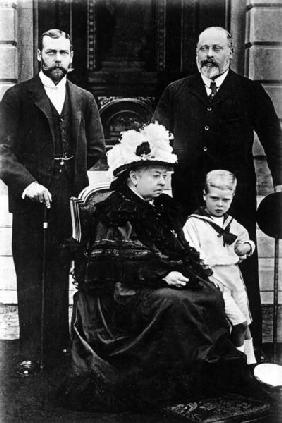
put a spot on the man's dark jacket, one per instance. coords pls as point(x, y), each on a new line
point(219, 134)
point(28, 145)
point(27, 138)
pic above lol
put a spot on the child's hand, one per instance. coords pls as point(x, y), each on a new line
point(242, 248)
point(242, 258)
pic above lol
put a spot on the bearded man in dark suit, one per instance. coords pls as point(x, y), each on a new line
point(213, 115)
point(50, 134)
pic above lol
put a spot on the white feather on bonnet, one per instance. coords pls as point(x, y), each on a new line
point(151, 144)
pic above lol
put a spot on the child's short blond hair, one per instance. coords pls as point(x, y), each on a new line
point(222, 179)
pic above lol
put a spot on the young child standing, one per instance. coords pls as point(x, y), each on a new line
point(223, 243)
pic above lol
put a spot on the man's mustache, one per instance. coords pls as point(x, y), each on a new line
point(57, 67)
point(208, 62)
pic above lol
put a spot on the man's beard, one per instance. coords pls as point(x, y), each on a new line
point(209, 68)
point(56, 73)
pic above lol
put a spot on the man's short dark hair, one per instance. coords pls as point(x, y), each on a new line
point(54, 33)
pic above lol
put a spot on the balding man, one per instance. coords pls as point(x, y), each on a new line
point(213, 116)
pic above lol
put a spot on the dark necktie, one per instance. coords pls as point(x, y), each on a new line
point(213, 89)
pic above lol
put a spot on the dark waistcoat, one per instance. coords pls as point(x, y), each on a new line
point(62, 129)
point(63, 142)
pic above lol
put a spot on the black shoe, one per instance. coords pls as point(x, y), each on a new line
point(27, 368)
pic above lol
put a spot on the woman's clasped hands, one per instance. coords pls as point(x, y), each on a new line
point(176, 280)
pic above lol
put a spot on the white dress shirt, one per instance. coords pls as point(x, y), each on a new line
point(219, 81)
point(56, 93)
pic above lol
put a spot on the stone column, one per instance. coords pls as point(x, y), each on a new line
point(16, 42)
point(8, 77)
point(16, 64)
point(237, 29)
point(264, 47)
point(27, 33)
point(8, 45)
point(263, 62)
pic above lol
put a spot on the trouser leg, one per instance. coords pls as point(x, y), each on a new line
point(28, 255)
point(56, 326)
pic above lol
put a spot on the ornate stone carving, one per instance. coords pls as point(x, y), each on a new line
point(188, 33)
point(124, 45)
point(91, 36)
point(161, 32)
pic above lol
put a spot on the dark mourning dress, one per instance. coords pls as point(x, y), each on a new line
point(135, 340)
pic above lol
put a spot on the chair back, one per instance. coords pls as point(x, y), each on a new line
point(83, 206)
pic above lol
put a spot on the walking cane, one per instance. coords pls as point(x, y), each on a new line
point(43, 277)
point(269, 219)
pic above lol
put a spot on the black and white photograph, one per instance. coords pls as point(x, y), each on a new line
point(140, 211)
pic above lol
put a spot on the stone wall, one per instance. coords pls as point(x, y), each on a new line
point(16, 64)
point(8, 45)
point(8, 77)
point(263, 62)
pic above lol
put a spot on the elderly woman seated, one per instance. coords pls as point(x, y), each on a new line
point(148, 326)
